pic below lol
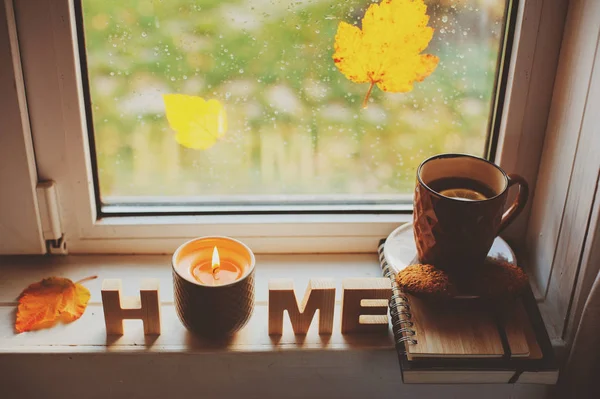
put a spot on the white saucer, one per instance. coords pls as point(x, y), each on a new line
point(400, 250)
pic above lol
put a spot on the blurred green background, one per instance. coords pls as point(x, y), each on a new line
point(296, 125)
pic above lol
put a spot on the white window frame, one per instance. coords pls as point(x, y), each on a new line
point(48, 44)
point(20, 225)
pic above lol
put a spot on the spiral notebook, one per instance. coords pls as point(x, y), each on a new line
point(468, 340)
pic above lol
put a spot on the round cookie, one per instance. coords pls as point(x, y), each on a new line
point(425, 280)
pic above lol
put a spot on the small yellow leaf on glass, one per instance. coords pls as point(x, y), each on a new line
point(387, 50)
point(198, 123)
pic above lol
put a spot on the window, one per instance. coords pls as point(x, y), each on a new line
point(125, 185)
point(297, 135)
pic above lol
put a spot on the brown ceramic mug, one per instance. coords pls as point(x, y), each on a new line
point(456, 233)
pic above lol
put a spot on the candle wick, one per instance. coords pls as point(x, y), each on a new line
point(215, 273)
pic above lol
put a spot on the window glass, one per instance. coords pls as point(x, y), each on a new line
point(295, 124)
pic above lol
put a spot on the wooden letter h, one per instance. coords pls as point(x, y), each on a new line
point(117, 309)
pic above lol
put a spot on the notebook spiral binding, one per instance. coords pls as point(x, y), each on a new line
point(399, 307)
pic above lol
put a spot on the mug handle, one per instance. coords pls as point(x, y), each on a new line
point(517, 206)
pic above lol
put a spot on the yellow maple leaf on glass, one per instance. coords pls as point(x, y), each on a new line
point(387, 51)
point(198, 123)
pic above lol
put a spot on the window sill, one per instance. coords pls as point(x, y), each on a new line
point(88, 333)
point(80, 352)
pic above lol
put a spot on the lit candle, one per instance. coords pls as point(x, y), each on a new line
point(213, 285)
point(216, 272)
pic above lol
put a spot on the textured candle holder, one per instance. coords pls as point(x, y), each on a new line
point(213, 311)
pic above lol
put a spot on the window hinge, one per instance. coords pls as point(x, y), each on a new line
point(50, 216)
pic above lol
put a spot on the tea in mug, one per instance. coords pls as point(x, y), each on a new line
point(462, 188)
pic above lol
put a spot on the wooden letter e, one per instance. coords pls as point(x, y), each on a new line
point(365, 304)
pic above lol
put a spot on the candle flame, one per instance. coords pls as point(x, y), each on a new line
point(216, 262)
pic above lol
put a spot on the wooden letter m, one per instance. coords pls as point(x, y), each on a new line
point(320, 294)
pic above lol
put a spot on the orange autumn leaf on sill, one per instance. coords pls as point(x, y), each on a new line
point(54, 299)
point(387, 51)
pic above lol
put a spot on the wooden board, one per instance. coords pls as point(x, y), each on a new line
point(516, 322)
point(458, 328)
